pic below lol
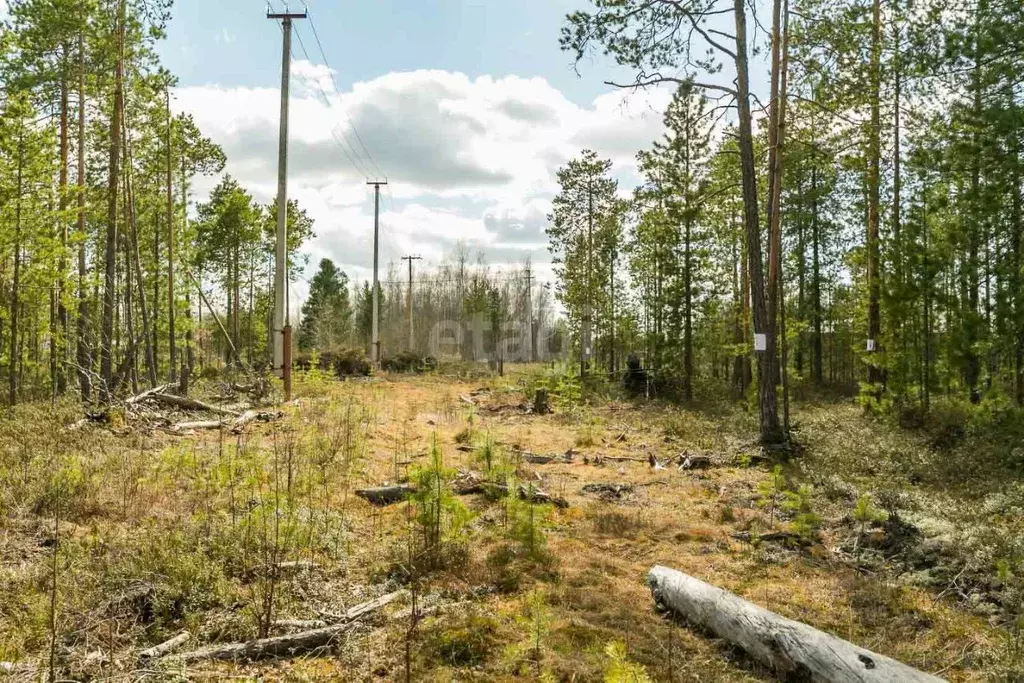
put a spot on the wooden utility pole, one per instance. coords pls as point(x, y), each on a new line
point(282, 323)
point(375, 339)
point(412, 338)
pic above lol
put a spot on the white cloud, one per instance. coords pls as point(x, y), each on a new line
point(468, 159)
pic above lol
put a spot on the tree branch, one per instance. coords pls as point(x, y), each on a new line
point(658, 79)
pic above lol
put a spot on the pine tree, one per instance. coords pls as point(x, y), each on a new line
point(326, 314)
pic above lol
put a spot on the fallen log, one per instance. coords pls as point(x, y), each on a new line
point(470, 483)
point(286, 645)
point(190, 404)
point(248, 416)
point(165, 647)
point(200, 424)
point(694, 462)
point(302, 624)
point(770, 537)
point(608, 491)
point(537, 459)
point(789, 648)
point(386, 495)
point(148, 393)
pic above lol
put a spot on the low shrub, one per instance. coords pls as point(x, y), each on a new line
point(409, 362)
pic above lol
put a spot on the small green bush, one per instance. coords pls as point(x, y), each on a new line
point(463, 641)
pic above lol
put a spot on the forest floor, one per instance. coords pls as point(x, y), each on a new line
point(159, 533)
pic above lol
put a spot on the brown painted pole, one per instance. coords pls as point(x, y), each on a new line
point(287, 363)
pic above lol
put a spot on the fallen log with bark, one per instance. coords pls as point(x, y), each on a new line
point(789, 648)
point(165, 647)
point(537, 459)
point(694, 462)
point(190, 404)
point(237, 425)
point(608, 491)
point(386, 495)
point(149, 393)
point(250, 416)
point(301, 624)
point(292, 644)
point(469, 484)
point(198, 424)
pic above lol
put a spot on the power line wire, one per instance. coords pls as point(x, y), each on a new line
point(354, 156)
point(330, 72)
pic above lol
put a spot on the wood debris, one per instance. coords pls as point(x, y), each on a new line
point(789, 648)
point(166, 647)
point(386, 495)
point(289, 645)
point(608, 491)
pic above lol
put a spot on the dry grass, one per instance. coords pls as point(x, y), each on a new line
point(162, 533)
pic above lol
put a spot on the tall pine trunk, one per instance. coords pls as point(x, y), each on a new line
point(83, 353)
point(134, 257)
point(12, 376)
point(875, 375)
point(59, 336)
point(110, 251)
point(771, 431)
point(817, 349)
point(171, 333)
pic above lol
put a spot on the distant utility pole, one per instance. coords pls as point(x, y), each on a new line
point(529, 313)
point(410, 259)
point(375, 344)
point(282, 321)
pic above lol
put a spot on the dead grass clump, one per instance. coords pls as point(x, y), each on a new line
point(610, 522)
point(698, 534)
point(461, 640)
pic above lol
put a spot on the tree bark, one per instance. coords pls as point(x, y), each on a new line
point(171, 336)
point(286, 645)
point(818, 346)
point(59, 336)
point(1017, 219)
point(83, 352)
point(875, 375)
point(12, 370)
point(110, 252)
point(132, 244)
point(771, 431)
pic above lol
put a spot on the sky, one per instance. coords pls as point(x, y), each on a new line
point(467, 107)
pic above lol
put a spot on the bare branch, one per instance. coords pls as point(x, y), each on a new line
point(643, 81)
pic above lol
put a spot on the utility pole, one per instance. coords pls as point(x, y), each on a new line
point(412, 338)
point(282, 322)
point(529, 313)
point(375, 343)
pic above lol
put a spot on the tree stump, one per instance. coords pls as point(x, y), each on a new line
point(540, 402)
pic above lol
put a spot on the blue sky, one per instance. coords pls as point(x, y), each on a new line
point(231, 41)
